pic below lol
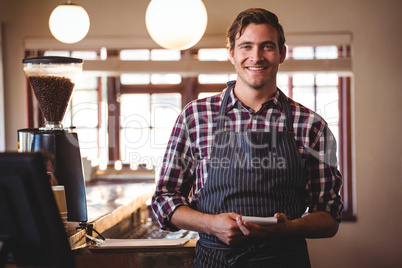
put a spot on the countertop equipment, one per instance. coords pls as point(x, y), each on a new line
point(52, 80)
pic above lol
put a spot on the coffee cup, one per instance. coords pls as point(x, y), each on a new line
point(60, 198)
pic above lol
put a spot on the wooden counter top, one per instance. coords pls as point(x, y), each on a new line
point(108, 204)
point(115, 204)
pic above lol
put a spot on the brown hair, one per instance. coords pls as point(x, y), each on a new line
point(257, 16)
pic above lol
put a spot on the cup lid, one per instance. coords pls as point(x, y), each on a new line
point(58, 188)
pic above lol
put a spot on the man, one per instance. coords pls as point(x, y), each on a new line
point(251, 151)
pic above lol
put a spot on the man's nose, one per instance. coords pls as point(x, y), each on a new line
point(256, 55)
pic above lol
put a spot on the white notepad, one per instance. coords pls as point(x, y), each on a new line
point(141, 243)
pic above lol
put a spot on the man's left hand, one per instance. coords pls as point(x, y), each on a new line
point(319, 224)
point(280, 229)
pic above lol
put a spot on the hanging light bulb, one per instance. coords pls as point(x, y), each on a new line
point(176, 24)
point(69, 23)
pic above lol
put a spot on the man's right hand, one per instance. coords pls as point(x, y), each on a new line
point(223, 226)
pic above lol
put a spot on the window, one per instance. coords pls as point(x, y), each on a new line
point(327, 93)
point(213, 54)
point(146, 122)
point(135, 54)
point(310, 52)
point(216, 78)
point(135, 79)
point(318, 92)
point(85, 114)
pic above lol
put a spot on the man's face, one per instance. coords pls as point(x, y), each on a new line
point(256, 56)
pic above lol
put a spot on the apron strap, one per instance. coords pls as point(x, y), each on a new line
point(288, 112)
point(222, 109)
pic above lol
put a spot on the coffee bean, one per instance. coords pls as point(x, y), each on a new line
point(53, 94)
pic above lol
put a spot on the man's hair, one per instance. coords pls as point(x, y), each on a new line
point(257, 16)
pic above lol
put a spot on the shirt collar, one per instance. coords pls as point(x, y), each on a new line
point(233, 101)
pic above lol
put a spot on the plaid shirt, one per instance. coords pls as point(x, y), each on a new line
point(185, 166)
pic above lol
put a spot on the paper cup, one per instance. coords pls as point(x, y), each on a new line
point(60, 198)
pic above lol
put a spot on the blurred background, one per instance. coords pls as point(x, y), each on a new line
point(344, 61)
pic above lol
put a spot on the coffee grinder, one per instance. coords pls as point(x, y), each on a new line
point(52, 80)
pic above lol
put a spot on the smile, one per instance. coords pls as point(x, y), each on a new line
point(256, 68)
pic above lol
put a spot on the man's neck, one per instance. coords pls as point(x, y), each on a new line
point(253, 98)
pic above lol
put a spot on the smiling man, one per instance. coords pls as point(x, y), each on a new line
point(251, 151)
point(256, 56)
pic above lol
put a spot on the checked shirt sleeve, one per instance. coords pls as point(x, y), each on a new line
point(324, 179)
point(176, 176)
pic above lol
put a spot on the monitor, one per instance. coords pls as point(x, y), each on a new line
point(30, 224)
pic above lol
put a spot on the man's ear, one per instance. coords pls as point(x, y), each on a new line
point(283, 54)
point(231, 54)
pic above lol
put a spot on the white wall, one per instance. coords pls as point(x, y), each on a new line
point(374, 240)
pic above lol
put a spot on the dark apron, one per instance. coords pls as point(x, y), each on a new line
point(254, 174)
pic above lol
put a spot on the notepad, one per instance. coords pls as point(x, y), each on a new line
point(140, 243)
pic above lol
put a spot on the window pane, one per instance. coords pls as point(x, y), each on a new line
point(171, 79)
point(207, 94)
point(160, 138)
point(86, 81)
point(165, 54)
point(327, 104)
point(335, 130)
point(213, 78)
point(165, 109)
point(135, 79)
point(103, 155)
point(147, 122)
point(135, 54)
point(303, 53)
point(213, 54)
point(85, 55)
point(67, 117)
point(57, 53)
point(140, 149)
point(305, 96)
point(103, 53)
point(135, 123)
point(134, 141)
point(85, 109)
point(135, 110)
point(327, 79)
point(88, 140)
point(282, 82)
point(326, 52)
point(303, 80)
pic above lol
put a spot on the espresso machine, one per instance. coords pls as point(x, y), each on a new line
point(52, 80)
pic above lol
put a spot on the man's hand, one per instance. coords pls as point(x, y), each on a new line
point(229, 228)
point(281, 229)
point(224, 227)
point(315, 225)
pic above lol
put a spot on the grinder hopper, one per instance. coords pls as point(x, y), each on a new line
point(52, 80)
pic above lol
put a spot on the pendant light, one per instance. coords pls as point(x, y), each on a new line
point(69, 23)
point(176, 24)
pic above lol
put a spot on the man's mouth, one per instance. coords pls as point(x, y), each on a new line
point(256, 68)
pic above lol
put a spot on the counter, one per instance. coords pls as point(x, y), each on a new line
point(108, 204)
point(118, 210)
